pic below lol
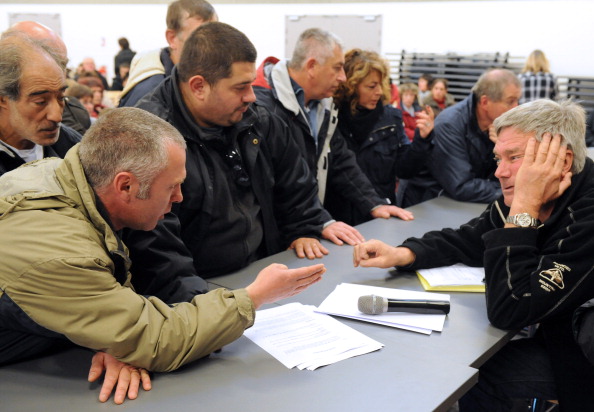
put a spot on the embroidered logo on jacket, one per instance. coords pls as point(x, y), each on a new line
point(553, 278)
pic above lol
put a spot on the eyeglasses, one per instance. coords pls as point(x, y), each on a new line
point(233, 159)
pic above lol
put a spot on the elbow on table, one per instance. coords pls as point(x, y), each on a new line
point(505, 320)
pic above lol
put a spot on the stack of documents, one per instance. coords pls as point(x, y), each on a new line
point(344, 299)
point(456, 278)
point(299, 337)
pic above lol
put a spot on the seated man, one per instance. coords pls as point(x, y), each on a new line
point(462, 164)
point(149, 69)
point(248, 193)
point(300, 92)
point(65, 270)
point(32, 88)
point(535, 243)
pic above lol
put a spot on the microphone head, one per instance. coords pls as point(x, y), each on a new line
point(372, 304)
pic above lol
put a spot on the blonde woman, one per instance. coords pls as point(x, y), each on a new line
point(537, 80)
point(373, 130)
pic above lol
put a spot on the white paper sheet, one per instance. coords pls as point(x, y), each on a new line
point(299, 337)
point(344, 299)
point(455, 275)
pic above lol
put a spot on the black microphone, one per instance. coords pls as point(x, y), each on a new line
point(375, 305)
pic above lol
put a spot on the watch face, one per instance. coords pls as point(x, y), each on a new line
point(524, 219)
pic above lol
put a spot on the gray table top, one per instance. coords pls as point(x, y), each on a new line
point(413, 372)
point(467, 337)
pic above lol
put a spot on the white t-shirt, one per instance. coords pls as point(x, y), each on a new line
point(28, 155)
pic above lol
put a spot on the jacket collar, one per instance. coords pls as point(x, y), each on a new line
point(6, 149)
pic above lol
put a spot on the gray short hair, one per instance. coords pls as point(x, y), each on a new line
point(546, 116)
point(13, 57)
point(127, 140)
point(493, 82)
point(316, 43)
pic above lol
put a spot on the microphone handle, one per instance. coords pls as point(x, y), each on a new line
point(419, 306)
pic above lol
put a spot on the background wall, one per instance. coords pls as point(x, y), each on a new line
point(563, 29)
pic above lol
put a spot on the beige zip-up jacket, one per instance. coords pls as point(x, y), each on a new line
point(59, 266)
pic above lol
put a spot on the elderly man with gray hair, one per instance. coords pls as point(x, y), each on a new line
point(536, 244)
point(65, 270)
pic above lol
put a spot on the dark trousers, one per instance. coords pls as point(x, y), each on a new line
point(17, 346)
point(521, 370)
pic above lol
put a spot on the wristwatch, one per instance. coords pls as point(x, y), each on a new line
point(523, 220)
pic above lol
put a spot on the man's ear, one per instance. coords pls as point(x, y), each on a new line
point(125, 186)
point(310, 64)
point(568, 161)
point(198, 85)
point(483, 100)
point(3, 102)
point(171, 37)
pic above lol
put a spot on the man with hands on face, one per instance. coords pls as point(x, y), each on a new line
point(535, 243)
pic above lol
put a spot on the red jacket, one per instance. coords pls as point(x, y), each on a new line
point(410, 122)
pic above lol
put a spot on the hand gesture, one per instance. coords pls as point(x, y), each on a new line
point(425, 121)
point(340, 232)
point(492, 134)
point(276, 282)
point(375, 253)
point(127, 378)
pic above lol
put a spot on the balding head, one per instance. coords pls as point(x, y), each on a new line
point(32, 85)
point(493, 82)
point(42, 33)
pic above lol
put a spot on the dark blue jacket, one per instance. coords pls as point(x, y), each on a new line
point(462, 165)
point(149, 84)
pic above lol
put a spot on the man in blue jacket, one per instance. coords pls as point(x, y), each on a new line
point(462, 164)
point(535, 243)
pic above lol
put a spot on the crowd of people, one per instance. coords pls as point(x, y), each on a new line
point(210, 164)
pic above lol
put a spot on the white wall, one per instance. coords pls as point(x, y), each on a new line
point(563, 29)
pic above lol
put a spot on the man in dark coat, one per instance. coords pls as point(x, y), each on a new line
point(462, 164)
point(535, 243)
point(248, 194)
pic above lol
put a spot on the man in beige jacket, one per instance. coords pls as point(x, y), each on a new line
point(65, 270)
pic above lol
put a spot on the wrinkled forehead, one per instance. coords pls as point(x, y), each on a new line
point(511, 140)
point(41, 74)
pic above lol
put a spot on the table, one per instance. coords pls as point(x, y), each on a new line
point(413, 372)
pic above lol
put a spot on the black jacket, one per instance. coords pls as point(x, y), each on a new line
point(9, 160)
point(344, 174)
point(75, 115)
point(462, 164)
point(283, 186)
point(384, 156)
point(532, 275)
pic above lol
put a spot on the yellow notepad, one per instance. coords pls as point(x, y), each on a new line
point(456, 278)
